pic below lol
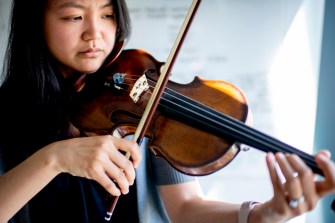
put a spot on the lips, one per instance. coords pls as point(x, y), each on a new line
point(91, 52)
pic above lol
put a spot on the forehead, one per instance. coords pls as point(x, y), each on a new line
point(59, 4)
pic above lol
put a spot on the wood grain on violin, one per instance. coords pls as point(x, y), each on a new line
point(197, 127)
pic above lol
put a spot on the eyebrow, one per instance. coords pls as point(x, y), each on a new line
point(71, 4)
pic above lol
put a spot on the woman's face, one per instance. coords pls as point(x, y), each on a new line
point(80, 34)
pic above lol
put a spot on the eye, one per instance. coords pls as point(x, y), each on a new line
point(74, 19)
point(109, 16)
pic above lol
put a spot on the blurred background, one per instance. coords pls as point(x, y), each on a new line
point(278, 52)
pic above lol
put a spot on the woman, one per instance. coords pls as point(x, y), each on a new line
point(54, 45)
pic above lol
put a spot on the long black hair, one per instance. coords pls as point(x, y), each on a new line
point(32, 97)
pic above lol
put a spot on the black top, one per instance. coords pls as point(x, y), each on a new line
point(74, 199)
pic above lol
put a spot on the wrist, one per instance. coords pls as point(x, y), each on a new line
point(264, 213)
point(245, 212)
point(50, 160)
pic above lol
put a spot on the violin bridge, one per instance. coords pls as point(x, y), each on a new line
point(140, 86)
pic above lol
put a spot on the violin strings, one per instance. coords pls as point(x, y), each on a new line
point(236, 126)
point(197, 108)
point(222, 121)
point(190, 104)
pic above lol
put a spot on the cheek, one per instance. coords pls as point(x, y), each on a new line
point(109, 38)
point(62, 39)
point(59, 44)
point(110, 43)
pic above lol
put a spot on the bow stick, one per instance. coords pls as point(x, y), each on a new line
point(159, 89)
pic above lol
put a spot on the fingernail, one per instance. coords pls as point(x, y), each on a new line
point(118, 193)
point(127, 191)
point(271, 157)
point(281, 155)
point(322, 157)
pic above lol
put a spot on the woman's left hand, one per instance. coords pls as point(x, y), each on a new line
point(300, 192)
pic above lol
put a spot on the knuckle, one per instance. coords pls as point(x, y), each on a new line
point(104, 144)
point(110, 186)
point(96, 159)
point(103, 141)
point(119, 175)
point(96, 156)
point(306, 173)
point(290, 179)
point(133, 146)
point(92, 169)
point(128, 165)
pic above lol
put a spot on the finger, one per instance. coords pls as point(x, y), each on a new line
point(115, 164)
point(119, 177)
point(271, 163)
point(107, 183)
point(324, 152)
point(292, 184)
point(126, 171)
point(103, 166)
point(306, 176)
point(124, 164)
point(131, 147)
point(328, 168)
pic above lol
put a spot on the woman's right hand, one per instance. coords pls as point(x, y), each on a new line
point(99, 158)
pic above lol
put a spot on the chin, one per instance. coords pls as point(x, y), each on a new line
point(90, 70)
point(95, 68)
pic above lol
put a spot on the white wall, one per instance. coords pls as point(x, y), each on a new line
point(4, 16)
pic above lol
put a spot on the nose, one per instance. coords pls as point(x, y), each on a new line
point(92, 30)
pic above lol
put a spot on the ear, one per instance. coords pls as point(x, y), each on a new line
point(115, 53)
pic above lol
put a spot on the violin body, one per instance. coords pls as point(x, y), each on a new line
point(189, 142)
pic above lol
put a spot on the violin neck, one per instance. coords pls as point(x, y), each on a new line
point(196, 114)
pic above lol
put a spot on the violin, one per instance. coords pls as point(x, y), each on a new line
point(198, 127)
